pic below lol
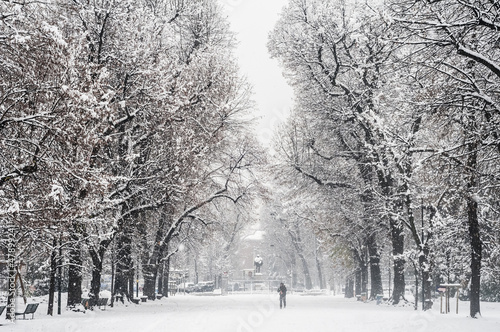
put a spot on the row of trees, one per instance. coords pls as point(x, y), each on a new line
point(394, 139)
point(123, 125)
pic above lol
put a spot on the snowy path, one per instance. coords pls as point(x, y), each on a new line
point(253, 313)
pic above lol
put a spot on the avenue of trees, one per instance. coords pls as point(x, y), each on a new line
point(393, 145)
point(126, 147)
point(124, 127)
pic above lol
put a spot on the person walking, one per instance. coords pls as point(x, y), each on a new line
point(282, 291)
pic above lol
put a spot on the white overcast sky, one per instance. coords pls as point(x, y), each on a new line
point(252, 20)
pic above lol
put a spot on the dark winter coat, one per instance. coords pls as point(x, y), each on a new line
point(282, 290)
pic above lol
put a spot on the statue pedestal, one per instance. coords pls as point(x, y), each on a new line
point(259, 282)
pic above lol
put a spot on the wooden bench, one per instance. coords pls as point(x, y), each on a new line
point(102, 303)
point(86, 303)
point(30, 309)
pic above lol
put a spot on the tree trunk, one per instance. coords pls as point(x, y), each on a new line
point(364, 277)
point(397, 237)
point(59, 277)
point(151, 266)
point(195, 271)
point(113, 275)
point(361, 279)
point(424, 266)
point(358, 281)
point(52, 285)
point(423, 260)
point(305, 269)
point(124, 266)
point(166, 274)
point(152, 261)
point(296, 241)
point(130, 279)
point(150, 273)
point(416, 289)
point(474, 234)
point(95, 284)
point(368, 200)
point(97, 260)
point(386, 182)
point(476, 255)
point(349, 287)
point(320, 273)
point(74, 277)
point(375, 274)
point(161, 268)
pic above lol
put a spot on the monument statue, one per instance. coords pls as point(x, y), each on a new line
point(258, 263)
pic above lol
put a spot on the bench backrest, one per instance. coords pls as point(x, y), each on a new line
point(31, 308)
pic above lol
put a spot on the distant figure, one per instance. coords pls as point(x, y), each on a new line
point(258, 263)
point(282, 291)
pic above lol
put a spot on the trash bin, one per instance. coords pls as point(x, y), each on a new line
point(379, 298)
point(363, 297)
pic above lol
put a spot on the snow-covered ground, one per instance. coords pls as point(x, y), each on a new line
point(258, 312)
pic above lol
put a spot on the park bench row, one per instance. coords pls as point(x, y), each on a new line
point(30, 309)
point(101, 303)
